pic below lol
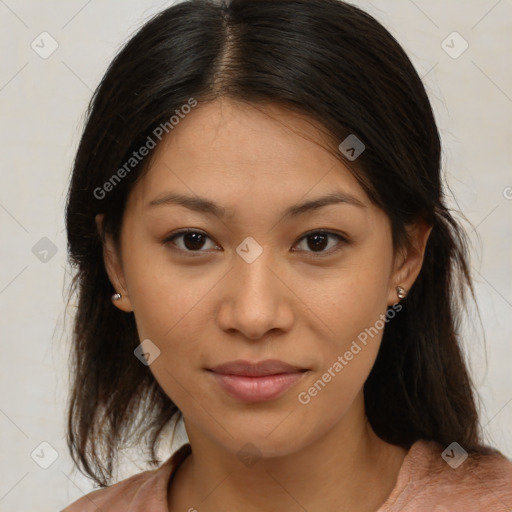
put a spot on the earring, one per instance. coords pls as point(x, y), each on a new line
point(401, 292)
point(116, 296)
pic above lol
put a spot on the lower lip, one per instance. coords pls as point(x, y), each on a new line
point(257, 389)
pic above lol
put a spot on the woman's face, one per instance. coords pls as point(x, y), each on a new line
point(250, 285)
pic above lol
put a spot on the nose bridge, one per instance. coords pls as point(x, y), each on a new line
point(253, 272)
point(255, 300)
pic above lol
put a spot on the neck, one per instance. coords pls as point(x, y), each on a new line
point(348, 468)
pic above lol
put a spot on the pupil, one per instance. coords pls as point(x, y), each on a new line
point(193, 241)
point(318, 244)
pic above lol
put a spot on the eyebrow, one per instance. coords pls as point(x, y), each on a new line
point(203, 205)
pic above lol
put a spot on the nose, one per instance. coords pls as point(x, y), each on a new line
point(255, 298)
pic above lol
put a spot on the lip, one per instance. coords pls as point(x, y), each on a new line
point(256, 382)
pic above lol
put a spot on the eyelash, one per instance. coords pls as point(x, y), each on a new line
point(342, 239)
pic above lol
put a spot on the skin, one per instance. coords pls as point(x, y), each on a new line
point(291, 303)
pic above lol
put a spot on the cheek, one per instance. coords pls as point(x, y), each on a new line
point(164, 295)
point(348, 354)
point(353, 306)
point(170, 309)
point(356, 319)
point(351, 298)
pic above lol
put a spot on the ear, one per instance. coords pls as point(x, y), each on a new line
point(408, 262)
point(114, 268)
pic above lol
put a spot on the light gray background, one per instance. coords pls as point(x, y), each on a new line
point(42, 106)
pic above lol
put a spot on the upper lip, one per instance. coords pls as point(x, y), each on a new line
point(257, 369)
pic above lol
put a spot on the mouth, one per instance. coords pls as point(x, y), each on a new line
point(256, 382)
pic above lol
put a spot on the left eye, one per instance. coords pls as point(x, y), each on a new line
point(193, 241)
point(319, 240)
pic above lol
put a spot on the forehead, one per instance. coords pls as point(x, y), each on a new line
point(226, 147)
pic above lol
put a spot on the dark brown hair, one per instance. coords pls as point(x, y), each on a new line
point(338, 66)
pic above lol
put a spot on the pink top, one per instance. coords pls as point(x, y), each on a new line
point(425, 483)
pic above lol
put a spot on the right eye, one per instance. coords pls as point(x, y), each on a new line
point(191, 240)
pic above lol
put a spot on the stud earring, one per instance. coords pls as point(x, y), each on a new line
point(401, 292)
point(116, 296)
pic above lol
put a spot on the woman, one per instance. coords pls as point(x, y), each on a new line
point(257, 218)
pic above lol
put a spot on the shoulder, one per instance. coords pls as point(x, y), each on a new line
point(450, 479)
point(146, 491)
point(113, 498)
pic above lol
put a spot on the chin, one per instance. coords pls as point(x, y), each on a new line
point(273, 441)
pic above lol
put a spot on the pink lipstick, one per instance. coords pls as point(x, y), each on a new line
point(256, 382)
